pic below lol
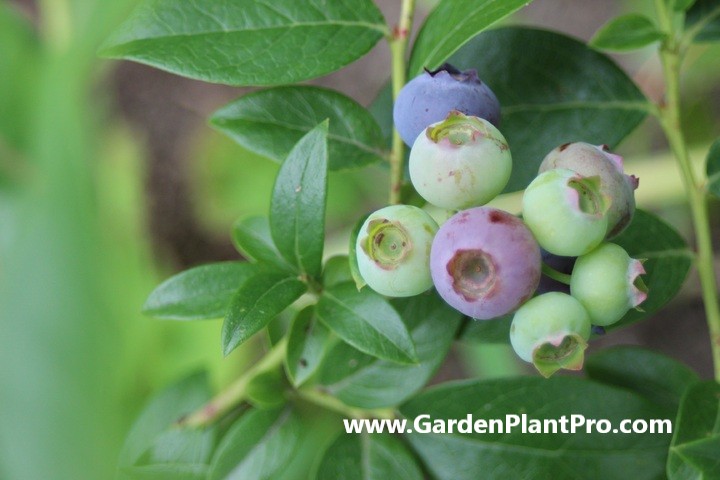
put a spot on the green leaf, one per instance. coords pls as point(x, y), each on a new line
point(248, 42)
point(487, 331)
point(257, 302)
point(297, 209)
point(366, 321)
point(251, 236)
point(368, 457)
point(199, 293)
point(696, 443)
point(652, 375)
point(161, 413)
point(514, 454)
point(352, 253)
point(271, 121)
point(451, 24)
point(258, 446)
point(267, 389)
point(704, 16)
point(336, 271)
point(178, 471)
point(668, 262)
point(681, 5)
point(628, 32)
point(713, 169)
point(549, 99)
point(308, 342)
point(363, 381)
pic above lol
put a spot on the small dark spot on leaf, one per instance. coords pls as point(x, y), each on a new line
point(303, 362)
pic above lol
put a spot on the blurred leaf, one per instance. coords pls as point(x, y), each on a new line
point(165, 472)
point(381, 109)
point(451, 24)
point(656, 377)
point(487, 331)
point(366, 382)
point(248, 42)
point(308, 342)
point(255, 304)
point(628, 32)
point(19, 57)
point(297, 210)
point(713, 168)
point(680, 5)
point(352, 253)
point(366, 321)
point(514, 454)
point(668, 262)
point(549, 99)
point(267, 389)
point(259, 445)
point(696, 443)
point(270, 122)
point(364, 456)
point(199, 293)
point(704, 16)
point(336, 271)
point(251, 236)
point(161, 413)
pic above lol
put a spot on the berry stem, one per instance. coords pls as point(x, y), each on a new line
point(329, 402)
point(671, 55)
point(398, 47)
point(236, 392)
point(550, 272)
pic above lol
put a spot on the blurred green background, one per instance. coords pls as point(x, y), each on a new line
point(110, 180)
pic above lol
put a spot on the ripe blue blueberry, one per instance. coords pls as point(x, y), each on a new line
point(393, 250)
point(429, 97)
point(608, 284)
point(485, 262)
point(590, 160)
point(460, 162)
point(566, 212)
point(551, 332)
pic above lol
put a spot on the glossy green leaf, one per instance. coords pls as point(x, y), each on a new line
point(628, 32)
point(514, 454)
point(251, 236)
point(258, 446)
point(366, 321)
point(199, 293)
point(257, 302)
point(703, 19)
point(668, 262)
point(297, 208)
point(367, 382)
point(270, 122)
point(656, 377)
point(368, 457)
point(160, 414)
point(694, 454)
point(549, 98)
point(248, 42)
point(713, 169)
point(308, 342)
point(451, 24)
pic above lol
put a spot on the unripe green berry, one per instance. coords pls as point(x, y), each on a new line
point(461, 162)
point(551, 332)
point(608, 284)
point(590, 160)
point(393, 250)
point(566, 212)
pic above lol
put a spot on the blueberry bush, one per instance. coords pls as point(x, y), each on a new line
point(485, 112)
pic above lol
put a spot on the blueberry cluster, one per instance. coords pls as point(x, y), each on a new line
point(485, 262)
